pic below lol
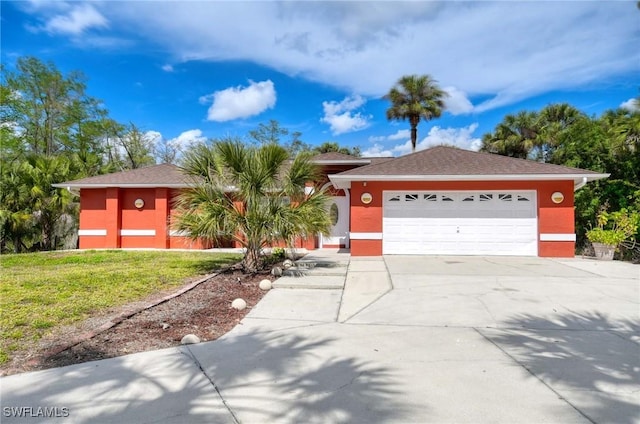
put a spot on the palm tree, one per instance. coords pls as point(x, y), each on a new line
point(31, 209)
point(17, 222)
point(254, 195)
point(515, 136)
point(553, 121)
point(413, 98)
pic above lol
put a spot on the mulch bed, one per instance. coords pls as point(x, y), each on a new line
point(204, 310)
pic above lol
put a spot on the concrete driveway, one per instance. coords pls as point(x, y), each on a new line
point(408, 339)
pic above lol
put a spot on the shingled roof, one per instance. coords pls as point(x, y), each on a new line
point(335, 158)
point(164, 175)
point(449, 163)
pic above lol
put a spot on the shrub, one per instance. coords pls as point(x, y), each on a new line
point(613, 228)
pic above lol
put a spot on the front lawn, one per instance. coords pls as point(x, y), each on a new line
point(42, 291)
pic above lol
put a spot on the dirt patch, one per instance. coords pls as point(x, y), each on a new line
point(204, 310)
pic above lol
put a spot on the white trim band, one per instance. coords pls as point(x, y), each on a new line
point(137, 232)
point(557, 237)
point(365, 236)
point(92, 232)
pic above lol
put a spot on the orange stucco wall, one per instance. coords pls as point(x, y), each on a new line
point(113, 210)
point(93, 206)
point(552, 218)
point(138, 219)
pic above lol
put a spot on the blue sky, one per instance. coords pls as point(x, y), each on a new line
point(187, 71)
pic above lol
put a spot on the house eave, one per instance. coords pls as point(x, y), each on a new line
point(114, 185)
point(344, 181)
point(343, 162)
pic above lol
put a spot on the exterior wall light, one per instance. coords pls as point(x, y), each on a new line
point(366, 198)
point(139, 203)
point(557, 197)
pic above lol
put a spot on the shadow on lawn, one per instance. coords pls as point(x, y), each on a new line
point(262, 378)
point(591, 360)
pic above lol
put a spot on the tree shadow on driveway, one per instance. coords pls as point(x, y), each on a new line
point(160, 386)
point(261, 378)
point(589, 359)
point(281, 377)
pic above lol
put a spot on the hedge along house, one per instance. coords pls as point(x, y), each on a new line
point(442, 200)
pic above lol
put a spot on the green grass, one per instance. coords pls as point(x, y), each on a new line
point(42, 291)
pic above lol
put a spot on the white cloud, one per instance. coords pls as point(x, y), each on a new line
point(188, 138)
point(167, 68)
point(185, 139)
point(377, 151)
point(457, 137)
point(170, 150)
point(633, 104)
point(154, 136)
point(240, 102)
point(364, 47)
point(74, 22)
point(341, 117)
point(457, 103)
point(399, 135)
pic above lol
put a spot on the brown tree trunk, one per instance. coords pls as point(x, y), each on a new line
point(414, 137)
point(252, 261)
point(414, 120)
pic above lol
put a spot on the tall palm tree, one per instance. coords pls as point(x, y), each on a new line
point(414, 98)
point(253, 195)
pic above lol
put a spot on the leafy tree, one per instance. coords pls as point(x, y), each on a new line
point(51, 112)
point(133, 148)
point(563, 135)
point(329, 146)
point(585, 144)
point(272, 133)
point(414, 98)
point(268, 133)
point(52, 131)
point(167, 151)
point(252, 194)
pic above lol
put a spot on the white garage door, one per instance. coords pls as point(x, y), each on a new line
point(460, 223)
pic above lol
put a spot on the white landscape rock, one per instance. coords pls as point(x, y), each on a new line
point(288, 263)
point(239, 304)
point(190, 339)
point(265, 284)
point(276, 271)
